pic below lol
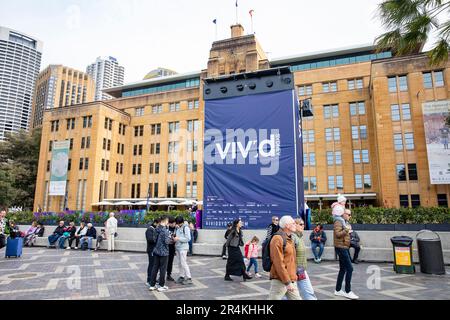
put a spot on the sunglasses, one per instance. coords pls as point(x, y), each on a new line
point(301, 224)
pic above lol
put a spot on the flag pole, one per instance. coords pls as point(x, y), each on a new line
point(237, 20)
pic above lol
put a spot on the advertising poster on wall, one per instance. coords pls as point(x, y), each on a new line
point(437, 135)
point(60, 161)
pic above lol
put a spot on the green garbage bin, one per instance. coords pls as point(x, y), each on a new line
point(403, 254)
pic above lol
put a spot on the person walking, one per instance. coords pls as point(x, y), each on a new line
point(235, 263)
point(342, 230)
point(252, 255)
point(151, 236)
point(161, 256)
point(273, 227)
point(111, 231)
point(182, 238)
point(318, 239)
point(283, 272)
point(172, 251)
point(303, 282)
point(224, 247)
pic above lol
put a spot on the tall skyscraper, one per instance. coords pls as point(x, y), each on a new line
point(107, 73)
point(60, 86)
point(20, 60)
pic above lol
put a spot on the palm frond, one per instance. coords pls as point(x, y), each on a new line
point(394, 13)
point(444, 31)
point(439, 53)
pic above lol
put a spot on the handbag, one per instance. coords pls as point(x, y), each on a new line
point(301, 274)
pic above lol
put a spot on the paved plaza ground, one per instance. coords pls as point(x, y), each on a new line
point(62, 274)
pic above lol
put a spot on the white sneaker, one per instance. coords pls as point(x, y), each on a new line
point(68, 248)
point(350, 295)
point(76, 248)
point(339, 293)
point(148, 284)
point(152, 288)
point(162, 289)
point(258, 275)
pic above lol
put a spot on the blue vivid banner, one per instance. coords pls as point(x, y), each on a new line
point(252, 160)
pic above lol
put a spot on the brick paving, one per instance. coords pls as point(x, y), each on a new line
point(59, 274)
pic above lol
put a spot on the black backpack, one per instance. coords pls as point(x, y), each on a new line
point(266, 262)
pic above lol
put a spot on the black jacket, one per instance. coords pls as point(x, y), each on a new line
point(151, 236)
point(315, 235)
point(40, 232)
point(91, 233)
point(354, 239)
point(271, 230)
point(235, 239)
point(59, 230)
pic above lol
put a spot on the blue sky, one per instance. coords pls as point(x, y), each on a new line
point(177, 34)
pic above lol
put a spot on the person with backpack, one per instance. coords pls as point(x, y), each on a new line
point(182, 238)
point(251, 250)
point(161, 256)
point(235, 262)
point(151, 236)
point(342, 230)
point(283, 270)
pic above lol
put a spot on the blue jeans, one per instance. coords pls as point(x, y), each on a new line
point(88, 239)
point(314, 246)
point(53, 238)
point(61, 241)
point(253, 262)
point(345, 269)
point(306, 289)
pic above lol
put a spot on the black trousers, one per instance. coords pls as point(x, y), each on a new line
point(159, 264)
point(171, 258)
point(77, 241)
point(345, 269)
point(151, 261)
point(357, 250)
point(224, 249)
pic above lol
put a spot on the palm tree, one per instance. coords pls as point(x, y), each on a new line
point(411, 22)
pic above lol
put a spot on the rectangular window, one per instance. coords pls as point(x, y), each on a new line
point(328, 134)
point(401, 172)
point(313, 183)
point(305, 90)
point(81, 164)
point(353, 109)
point(48, 165)
point(361, 108)
point(358, 181)
point(398, 142)
point(174, 107)
point(392, 83)
point(357, 156)
point(311, 136)
point(139, 112)
point(355, 133)
point(363, 132)
point(427, 81)
point(412, 172)
point(306, 183)
point(188, 189)
point(409, 141)
point(331, 183)
point(438, 79)
point(338, 156)
point(337, 134)
point(50, 146)
point(305, 159)
point(365, 156)
point(442, 200)
point(415, 200)
point(395, 112)
point(351, 84)
point(312, 159)
point(367, 181)
point(327, 112)
point(325, 87)
point(403, 83)
point(330, 158)
point(174, 127)
point(404, 201)
point(406, 112)
point(339, 182)
point(86, 163)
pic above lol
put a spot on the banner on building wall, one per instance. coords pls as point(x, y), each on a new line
point(252, 159)
point(437, 135)
point(59, 166)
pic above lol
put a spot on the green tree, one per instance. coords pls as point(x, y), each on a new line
point(19, 157)
point(410, 23)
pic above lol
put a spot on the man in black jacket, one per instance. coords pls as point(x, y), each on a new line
point(151, 236)
point(172, 229)
point(273, 227)
point(354, 243)
point(90, 234)
point(224, 248)
point(59, 231)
